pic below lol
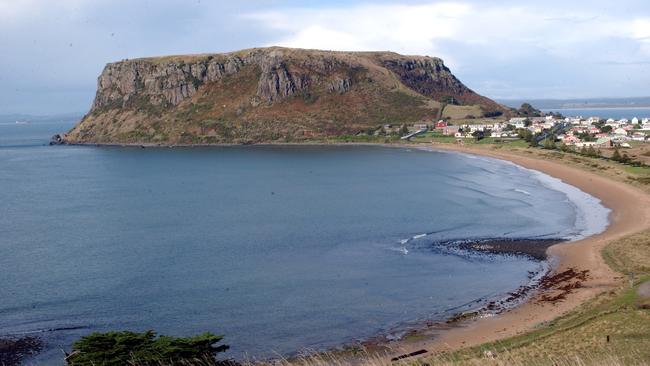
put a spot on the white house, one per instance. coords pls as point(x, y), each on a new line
point(570, 139)
point(593, 120)
point(620, 131)
point(638, 136)
point(518, 122)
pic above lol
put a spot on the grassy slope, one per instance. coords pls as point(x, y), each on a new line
point(583, 333)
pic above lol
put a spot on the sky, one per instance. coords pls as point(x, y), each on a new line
point(51, 52)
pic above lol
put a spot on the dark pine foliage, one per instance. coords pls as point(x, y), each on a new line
point(146, 348)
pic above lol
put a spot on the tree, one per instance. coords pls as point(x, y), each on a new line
point(548, 143)
point(586, 136)
point(403, 130)
point(583, 150)
point(126, 348)
point(606, 129)
point(591, 151)
point(492, 113)
point(616, 156)
point(525, 134)
point(566, 148)
point(625, 158)
point(528, 110)
point(534, 139)
point(449, 99)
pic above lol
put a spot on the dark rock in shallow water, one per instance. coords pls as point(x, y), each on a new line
point(13, 351)
point(57, 139)
point(534, 248)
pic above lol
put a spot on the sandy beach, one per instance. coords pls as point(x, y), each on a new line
point(630, 214)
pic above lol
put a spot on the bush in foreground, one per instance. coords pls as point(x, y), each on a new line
point(129, 348)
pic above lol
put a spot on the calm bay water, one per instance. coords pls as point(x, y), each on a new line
point(278, 248)
point(616, 113)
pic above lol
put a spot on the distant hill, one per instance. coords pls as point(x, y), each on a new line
point(270, 94)
point(31, 117)
point(633, 102)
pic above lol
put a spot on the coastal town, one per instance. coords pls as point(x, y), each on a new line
point(575, 132)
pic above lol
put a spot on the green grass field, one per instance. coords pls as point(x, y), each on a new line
point(639, 170)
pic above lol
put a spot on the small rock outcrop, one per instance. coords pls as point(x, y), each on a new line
point(57, 139)
point(339, 85)
point(277, 82)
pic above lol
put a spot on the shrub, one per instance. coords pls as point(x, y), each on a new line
point(616, 156)
point(490, 114)
point(449, 99)
point(121, 348)
point(549, 143)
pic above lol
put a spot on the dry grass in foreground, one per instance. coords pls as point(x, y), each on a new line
point(491, 359)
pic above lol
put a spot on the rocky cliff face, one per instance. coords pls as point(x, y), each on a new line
point(169, 83)
point(430, 77)
point(263, 95)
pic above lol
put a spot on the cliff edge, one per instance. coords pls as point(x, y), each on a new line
point(266, 95)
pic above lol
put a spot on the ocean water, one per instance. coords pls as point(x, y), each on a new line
point(616, 113)
point(278, 248)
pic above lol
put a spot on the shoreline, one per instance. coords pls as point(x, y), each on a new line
point(630, 213)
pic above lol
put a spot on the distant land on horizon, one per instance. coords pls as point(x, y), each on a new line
point(271, 94)
point(576, 103)
point(8, 117)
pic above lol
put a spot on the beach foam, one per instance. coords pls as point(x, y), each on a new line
point(591, 216)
